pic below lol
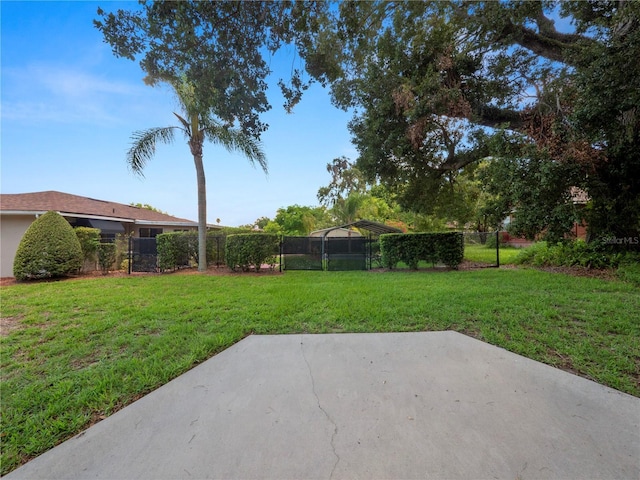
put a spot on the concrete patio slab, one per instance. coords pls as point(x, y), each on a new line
point(436, 405)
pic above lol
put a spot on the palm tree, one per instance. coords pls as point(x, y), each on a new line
point(197, 124)
point(347, 210)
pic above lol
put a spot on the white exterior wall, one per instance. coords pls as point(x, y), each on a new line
point(338, 232)
point(12, 228)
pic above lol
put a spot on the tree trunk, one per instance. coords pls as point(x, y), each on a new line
point(202, 213)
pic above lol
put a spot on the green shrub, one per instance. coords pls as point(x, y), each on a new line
point(450, 248)
point(595, 255)
point(180, 249)
point(244, 251)
point(106, 256)
point(48, 249)
point(529, 254)
point(122, 250)
point(124, 264)
point(89, 239)
point(176, 249)
point(412, 248)
point(492, 238)
point(390, 247)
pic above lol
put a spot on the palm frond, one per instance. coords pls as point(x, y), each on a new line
point(186, 124)
point(236, 140)
point(143, 146)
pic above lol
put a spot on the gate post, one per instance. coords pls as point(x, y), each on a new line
point(130, 254)
point(322, 250)
point(498, 248)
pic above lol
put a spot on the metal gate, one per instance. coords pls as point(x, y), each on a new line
point(328, 253)
point(302, 253)
point(143, 255)
point(346, 253)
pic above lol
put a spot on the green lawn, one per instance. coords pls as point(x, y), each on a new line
point(481, 253)
point(75, 351)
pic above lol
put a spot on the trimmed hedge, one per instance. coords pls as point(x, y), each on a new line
point(243, 251)
point(411, 248)
point(49, 248)
point(180, 249)
point(176, 249)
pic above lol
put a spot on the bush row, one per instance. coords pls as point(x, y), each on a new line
point(243, 251)
point(238, 251)
point(596, 255)
point(180, 249)
point(447, 248)
point(576, 253)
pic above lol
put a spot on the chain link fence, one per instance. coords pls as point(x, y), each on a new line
point(482, 249)
point(346, 253)
point(301, 253)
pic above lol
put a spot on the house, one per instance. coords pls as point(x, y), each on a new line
point(579, 198)
point(18, 211)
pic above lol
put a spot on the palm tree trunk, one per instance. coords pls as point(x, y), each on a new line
point(202, 214)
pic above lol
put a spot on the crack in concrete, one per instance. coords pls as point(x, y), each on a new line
point(326, 414)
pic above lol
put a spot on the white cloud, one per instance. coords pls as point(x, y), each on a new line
point(54, 93)
point(77, 84)
point(65, 81)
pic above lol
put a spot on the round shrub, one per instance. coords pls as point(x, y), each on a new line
point(49, 248)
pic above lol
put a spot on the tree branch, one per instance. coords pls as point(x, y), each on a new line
point(552, 47)
point(493, 117)
point(547, 42)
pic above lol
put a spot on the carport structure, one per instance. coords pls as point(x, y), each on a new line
point(374, 228)
point(323, 251)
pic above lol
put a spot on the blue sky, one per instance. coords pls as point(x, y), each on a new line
point(69, 108)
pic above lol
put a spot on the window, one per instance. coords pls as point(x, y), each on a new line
point(107, 237)
point(149, 232)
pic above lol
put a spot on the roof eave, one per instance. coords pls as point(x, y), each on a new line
point(97, 217)
point(66, 214)
point(166, 222)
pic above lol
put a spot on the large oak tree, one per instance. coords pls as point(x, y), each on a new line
point(438, 86)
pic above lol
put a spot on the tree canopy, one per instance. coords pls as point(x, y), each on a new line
point(434, 83)
point(219, 47)
point(298, 220)
point(546, 89)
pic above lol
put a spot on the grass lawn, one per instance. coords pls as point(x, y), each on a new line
point(73, 352)
point(481, 253)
